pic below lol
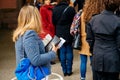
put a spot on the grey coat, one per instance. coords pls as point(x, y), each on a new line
point(32, 46)
point(103, 36)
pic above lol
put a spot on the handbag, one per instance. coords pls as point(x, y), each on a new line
point(77, 41)
point(26, 71)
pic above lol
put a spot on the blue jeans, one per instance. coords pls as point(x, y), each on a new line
point(66, 58)
point(83, 65)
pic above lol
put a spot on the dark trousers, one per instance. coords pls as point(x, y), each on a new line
point(66, 58)
point(97, 75)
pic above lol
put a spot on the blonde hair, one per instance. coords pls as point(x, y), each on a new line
point(92, 7)
point(28, 19)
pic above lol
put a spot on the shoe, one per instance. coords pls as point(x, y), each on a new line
point(69, 74)
point(52, 63)
point(82, 78)
point(65, 74)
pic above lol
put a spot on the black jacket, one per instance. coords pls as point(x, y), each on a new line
point(62, 21)
point(103, 36)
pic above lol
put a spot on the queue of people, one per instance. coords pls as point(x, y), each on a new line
point(100, 34)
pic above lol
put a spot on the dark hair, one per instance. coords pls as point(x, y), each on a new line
point(27, 2)
point(111, 5)
point(68, 1)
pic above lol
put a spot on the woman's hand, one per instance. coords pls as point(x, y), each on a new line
point(54, 48)
point(73, 31)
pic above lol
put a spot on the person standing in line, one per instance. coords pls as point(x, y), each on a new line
point(26, 39)
point(62, 18)
point(103, 36)
point(47, 25)
point(46, 16)
point(91, 7)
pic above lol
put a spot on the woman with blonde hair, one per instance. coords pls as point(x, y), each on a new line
point(27, 42)
point(91, 7)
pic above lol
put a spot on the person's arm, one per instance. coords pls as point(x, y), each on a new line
point(118, 12)
point(46, 23)
point(44, 18)
point(76, 23)
point(118, 36)
point(90, 35)
point(71, 13)
point(34, 49)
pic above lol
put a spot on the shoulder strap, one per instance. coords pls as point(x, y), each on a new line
point(62, 14)
point(65, 10)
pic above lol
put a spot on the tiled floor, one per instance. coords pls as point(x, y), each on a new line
point(7, 60)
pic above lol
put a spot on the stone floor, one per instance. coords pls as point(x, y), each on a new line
point(7, 60)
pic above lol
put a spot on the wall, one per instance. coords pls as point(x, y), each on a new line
point(8, 4)
point(8, 13)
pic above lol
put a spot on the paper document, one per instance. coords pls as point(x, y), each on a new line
point(48, 40)
point(61, 42)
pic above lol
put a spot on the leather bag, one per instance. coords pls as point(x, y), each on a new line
point(77, 41)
